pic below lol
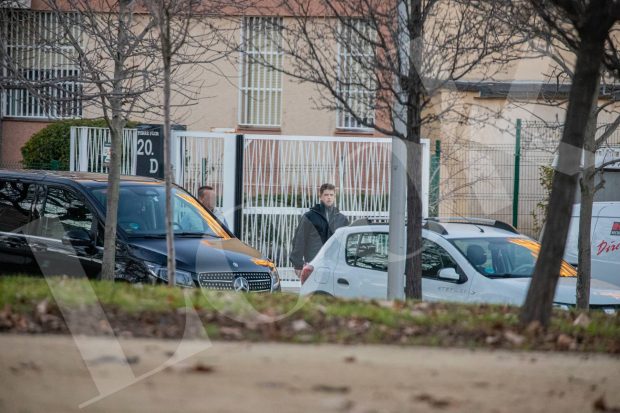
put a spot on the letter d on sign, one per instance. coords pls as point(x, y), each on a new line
point(154, 166)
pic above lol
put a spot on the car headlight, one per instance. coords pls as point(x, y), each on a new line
point(182, 278)
point(275, 279)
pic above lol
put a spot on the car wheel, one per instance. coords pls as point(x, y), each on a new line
point(322, 294)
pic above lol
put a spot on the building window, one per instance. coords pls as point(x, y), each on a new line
point(356, 81)
point(260, 99)
point(44, 79)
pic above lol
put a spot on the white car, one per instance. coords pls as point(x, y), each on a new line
point(473, 261)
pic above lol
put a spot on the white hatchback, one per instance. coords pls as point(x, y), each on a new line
point(473, 261)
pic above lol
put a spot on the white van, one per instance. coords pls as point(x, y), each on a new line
point(605, 241)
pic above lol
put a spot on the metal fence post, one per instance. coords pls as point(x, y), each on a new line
point(229, 176)
point(515, 194)
point(435, 180)
point(82, 149)
point(239, 186)
point(72, 148)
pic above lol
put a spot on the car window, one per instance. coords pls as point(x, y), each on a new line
point(504, 257)
point(64, 211)
point(15, 204)
point(368, 250)
point(435, 258)
point(142, 211)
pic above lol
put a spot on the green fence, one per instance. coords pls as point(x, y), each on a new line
point(499, 181)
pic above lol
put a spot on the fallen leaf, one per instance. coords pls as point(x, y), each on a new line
point(385, 304)
point(42, 307)
point(300, 325)
point(600, 405)
point(133, 359)
point(350, 359)
point(582, 320)
point(534, 328)
point(325, 388)
point(492, 340)
point(514, 338)
point(338, 404)
point(233, 332)
point(422, 306)
point(433, 401)
point(417, 314)
point(105, 359)
point(566, 342)
point(201, 368)
point(25, 365)
point(272, 385)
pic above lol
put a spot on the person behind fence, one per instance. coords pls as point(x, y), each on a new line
point(207, 197)
point(315, 227)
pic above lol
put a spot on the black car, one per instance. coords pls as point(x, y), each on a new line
point(52, 223)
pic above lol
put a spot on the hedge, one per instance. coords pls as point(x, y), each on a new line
point(49, 148)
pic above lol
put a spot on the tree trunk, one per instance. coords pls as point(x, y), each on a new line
point(539, 301)
point(584, 244)
point(167, 61)
point(413, 266)
point(116, 124)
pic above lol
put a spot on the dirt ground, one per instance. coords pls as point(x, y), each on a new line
point(48, 374)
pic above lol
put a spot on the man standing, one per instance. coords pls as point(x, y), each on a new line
point(315, 227)
point(207, 197)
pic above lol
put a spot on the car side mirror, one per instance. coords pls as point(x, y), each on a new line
point(77, 238)
point(449, 274)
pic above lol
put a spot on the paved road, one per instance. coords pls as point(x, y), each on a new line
point(48, 374)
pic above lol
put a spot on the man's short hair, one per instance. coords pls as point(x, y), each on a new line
point(203, 189)
point(326, 187)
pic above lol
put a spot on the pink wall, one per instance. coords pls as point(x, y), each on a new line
point(15, 133)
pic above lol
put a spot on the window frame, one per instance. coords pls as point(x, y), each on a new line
point(63, 98)
point(94, 224)
point(463, 278)
point(342, 116)
point(458, 268)
point(23, 182)
point(361, 234)
point(249, 91)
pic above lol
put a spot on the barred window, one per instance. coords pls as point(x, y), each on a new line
point(44, 82)
point(356, 82)
point(260, 99)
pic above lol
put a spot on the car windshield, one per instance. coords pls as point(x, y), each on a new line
point(504, 257)
point(141, 212)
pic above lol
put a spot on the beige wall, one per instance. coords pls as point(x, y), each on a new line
point(217, 107)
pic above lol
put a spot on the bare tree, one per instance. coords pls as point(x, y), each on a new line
point(173, 30)
point(116, 73)
point(585, 26)
point(183, 40)
point(389, 67)
point(561, 50)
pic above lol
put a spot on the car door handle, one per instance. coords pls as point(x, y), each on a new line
point(342, 281)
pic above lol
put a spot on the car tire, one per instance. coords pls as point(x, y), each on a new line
point(322, 294)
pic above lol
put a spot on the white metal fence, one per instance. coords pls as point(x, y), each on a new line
point(89, 148)
point(281, 177)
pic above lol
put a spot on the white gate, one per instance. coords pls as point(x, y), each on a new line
point(89, 149)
